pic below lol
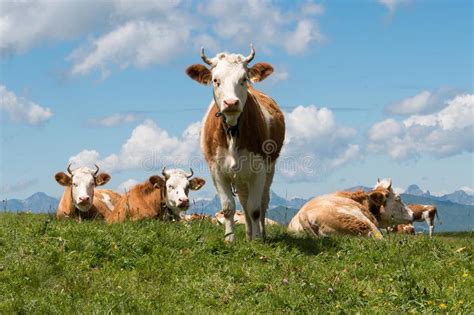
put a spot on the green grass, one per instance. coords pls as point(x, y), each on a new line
point(48, 266)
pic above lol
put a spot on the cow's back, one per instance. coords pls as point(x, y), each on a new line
point(143, 201)
point(333, 215)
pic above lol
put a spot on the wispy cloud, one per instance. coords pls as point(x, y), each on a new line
point(114, 120)
point(22, 110)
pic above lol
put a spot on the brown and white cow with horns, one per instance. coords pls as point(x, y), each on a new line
point(80, 198)
point(242, 135)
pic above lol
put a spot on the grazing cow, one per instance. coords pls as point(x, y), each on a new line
point(241, 137)
point(352, 213)
point(80, 198)
point(402, 229)
point(425, 213)
point(239, 218)
point(158, 197)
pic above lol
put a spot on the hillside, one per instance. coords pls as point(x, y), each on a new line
point(50, 266)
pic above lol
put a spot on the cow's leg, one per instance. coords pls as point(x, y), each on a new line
point(254, 203)
point(224, 190)
point(430, 222)
point(266, 196)
point(243, 192)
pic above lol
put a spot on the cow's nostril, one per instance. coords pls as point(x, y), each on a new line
point(231, 102)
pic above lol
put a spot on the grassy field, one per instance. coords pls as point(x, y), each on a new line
point(48, 266)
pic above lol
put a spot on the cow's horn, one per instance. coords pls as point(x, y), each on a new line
point(204, 58)
point(252, 54)
point(163, 171)
point(96, 170)
point(189, 175)
point(69, 169)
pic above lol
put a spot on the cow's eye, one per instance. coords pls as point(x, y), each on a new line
point(216, 82)
point(170, 187)
point(75, 185)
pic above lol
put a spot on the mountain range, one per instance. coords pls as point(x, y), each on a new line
point(456, 209)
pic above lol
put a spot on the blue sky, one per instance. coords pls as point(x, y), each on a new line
point(369, 88)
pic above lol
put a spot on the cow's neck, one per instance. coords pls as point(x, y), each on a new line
point(370, 210)
point(66, 204)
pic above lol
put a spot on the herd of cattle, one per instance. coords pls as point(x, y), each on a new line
point(242, 135)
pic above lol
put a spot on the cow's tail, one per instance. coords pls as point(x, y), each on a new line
point(437, 216)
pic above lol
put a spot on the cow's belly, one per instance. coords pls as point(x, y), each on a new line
point(240, 166)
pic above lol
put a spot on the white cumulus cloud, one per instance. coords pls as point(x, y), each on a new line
point(447, 132)
point(149, 148)
point(315, 144)
point(23, 110)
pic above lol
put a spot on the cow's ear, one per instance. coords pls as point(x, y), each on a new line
point(102, 179)
point(377, 198)
point(63, 179)
point(196, 183)
point(260, 71)
point(157, 181)
point(199, 73)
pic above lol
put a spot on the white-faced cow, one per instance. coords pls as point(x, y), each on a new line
point(425, 213)
point(80, 198)
point(352, 213)
point(159, 197)
point(241, 137)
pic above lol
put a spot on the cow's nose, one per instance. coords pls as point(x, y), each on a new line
point(183, 201)
point(84, 198)
point(231, 102)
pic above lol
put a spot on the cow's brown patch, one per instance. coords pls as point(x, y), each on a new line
point(418, 211)
point(143, 201)
point(252, 129)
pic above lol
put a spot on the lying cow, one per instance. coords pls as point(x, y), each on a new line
point(425, 213)
point(352, 213)
point(159, 197)
point(239, 218)
point(80, 198)
point(402, 229)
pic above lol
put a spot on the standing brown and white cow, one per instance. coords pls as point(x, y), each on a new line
point(425, 213)
point(242, 135)
point(80, 198)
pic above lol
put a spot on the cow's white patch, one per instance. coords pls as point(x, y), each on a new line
point(108, 202)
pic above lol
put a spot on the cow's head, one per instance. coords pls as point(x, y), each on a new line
point(82, 181)
point(230, 77)
point(390, 208)
point(177, 184)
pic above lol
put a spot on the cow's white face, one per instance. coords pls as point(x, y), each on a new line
point(230, 78)
point(177, 185)
point(394, 210)
point(82, 182)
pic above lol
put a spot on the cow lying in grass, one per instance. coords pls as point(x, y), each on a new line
point(239, 218)
point(80, 198)
point(402, 229)
point(159, 197)
point(352, 213)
